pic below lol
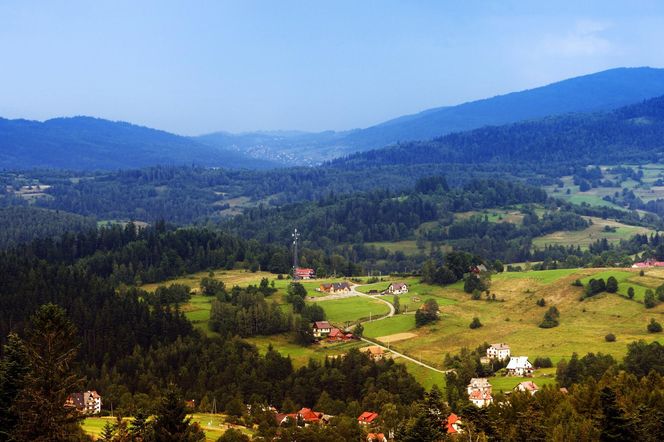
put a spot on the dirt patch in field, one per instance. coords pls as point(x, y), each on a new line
point(396, 337)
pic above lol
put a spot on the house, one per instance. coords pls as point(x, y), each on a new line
point(500, 352)
point(335, 287)
point(87, 402)
point(374, 351)
point(519, 366)
point(528, 386)
point(647, 264)
point(321, 329)
point(479, 392)
point(453, 424)
point(376, 437)
point(367, 418)
point(304, 273)
point(337, 335)
point(397, 288)
point(309, 416)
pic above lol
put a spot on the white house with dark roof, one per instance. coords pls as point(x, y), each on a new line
point(397, 288)
point(500, 352)
point(528, 386)
point(519, 366)
point(321, 329)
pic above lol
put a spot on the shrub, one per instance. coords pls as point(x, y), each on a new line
point(630, 293)
point(476, 295)
point(541, 362)
point(649, 299)
point(642, 273)
point(654, 326)
point(610, 337)
point(541, 302)
point(550, 318)
point(476, 323)
point(577, 283)
point(611, 284)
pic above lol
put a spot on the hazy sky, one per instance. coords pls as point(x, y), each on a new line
point(192, 67)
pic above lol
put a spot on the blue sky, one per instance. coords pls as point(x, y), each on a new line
point(193, 67)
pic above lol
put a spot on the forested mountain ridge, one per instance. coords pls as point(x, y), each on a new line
point(630, 134)
point(85, 143)
point(601, 91)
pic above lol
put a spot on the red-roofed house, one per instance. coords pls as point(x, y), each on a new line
point(309, 416)
point(397, 288)
point(479, 392)
point(453, 424)
point(367, 418)
point(337, 335)
point(647, 264)
point(376, 437)
point(303, 273)
point(528, 386)
point(321, 329)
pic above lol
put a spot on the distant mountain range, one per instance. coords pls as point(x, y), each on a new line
point(85, 143)
point(590, 93)
point(633, 133)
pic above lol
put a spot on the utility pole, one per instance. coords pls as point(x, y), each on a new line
point(296, 237)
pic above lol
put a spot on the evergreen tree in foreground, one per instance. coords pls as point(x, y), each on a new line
point(51, 350)
point(13, 370)
point(171, 423)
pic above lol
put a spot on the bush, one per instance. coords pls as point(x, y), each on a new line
point(541, 302)
point(550, 318)
point(630, 293)
point(476, 323)
point(654, 326)
point(541, 362)
point(577, 283)
point(427, 313)
point(649, 299)
point(611, 284)
point(610, 337)
point(642, 273)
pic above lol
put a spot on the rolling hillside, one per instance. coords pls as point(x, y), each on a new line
point(85, 143)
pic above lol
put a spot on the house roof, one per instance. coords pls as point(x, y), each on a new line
point(310, 415)
point(517, 362)
point(451, 420)
point(479, 395)
point(527, 386)
point(367, 417)
point(303, 271)
point(376, 436)
point(398, 285)
point(335, 332)
point(322, 324)
point(374, 350)
point(501, 346)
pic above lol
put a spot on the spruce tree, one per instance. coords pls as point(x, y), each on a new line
point(171, 423)
point(13, 370)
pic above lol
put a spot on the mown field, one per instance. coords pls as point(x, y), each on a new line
point(213, 424)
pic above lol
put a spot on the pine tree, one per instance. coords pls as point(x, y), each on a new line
point(51, 350)
point(140, 427)
point(13, 370)
point(107, 432)
point(171, 423)
point(616, 426)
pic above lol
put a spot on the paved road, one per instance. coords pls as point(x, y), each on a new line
point(389, 304)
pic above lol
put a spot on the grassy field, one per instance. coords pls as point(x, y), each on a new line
point(340, 311)
point(390, 326)
point(408, 247)
point(301, 355)
point(591, 234)
point(213, 424)
point(514, 318)
point(494, 215)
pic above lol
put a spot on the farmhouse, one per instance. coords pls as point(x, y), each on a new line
point(306, 417)
point(479, 392)
point(397, 288)
point(647, 264)
point(335, 287)
point(375, 352)
point(88, 402)
point(528, 386)
point(321, 329)
point(376, 437)
point(500, 352)
point(519, 366)
point(367, 418)
point(453, 424)
point(337, 335)
point(304, 273)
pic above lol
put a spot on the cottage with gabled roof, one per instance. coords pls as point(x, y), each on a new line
point(453, 424)
point(375, 352)
point(528, 386)
point(519, 366)
point(335, 287)
point(321, 329)
point(500, 352)
point(367, 418)
point(397, 288)
point(479, 392)
point(304, 273)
